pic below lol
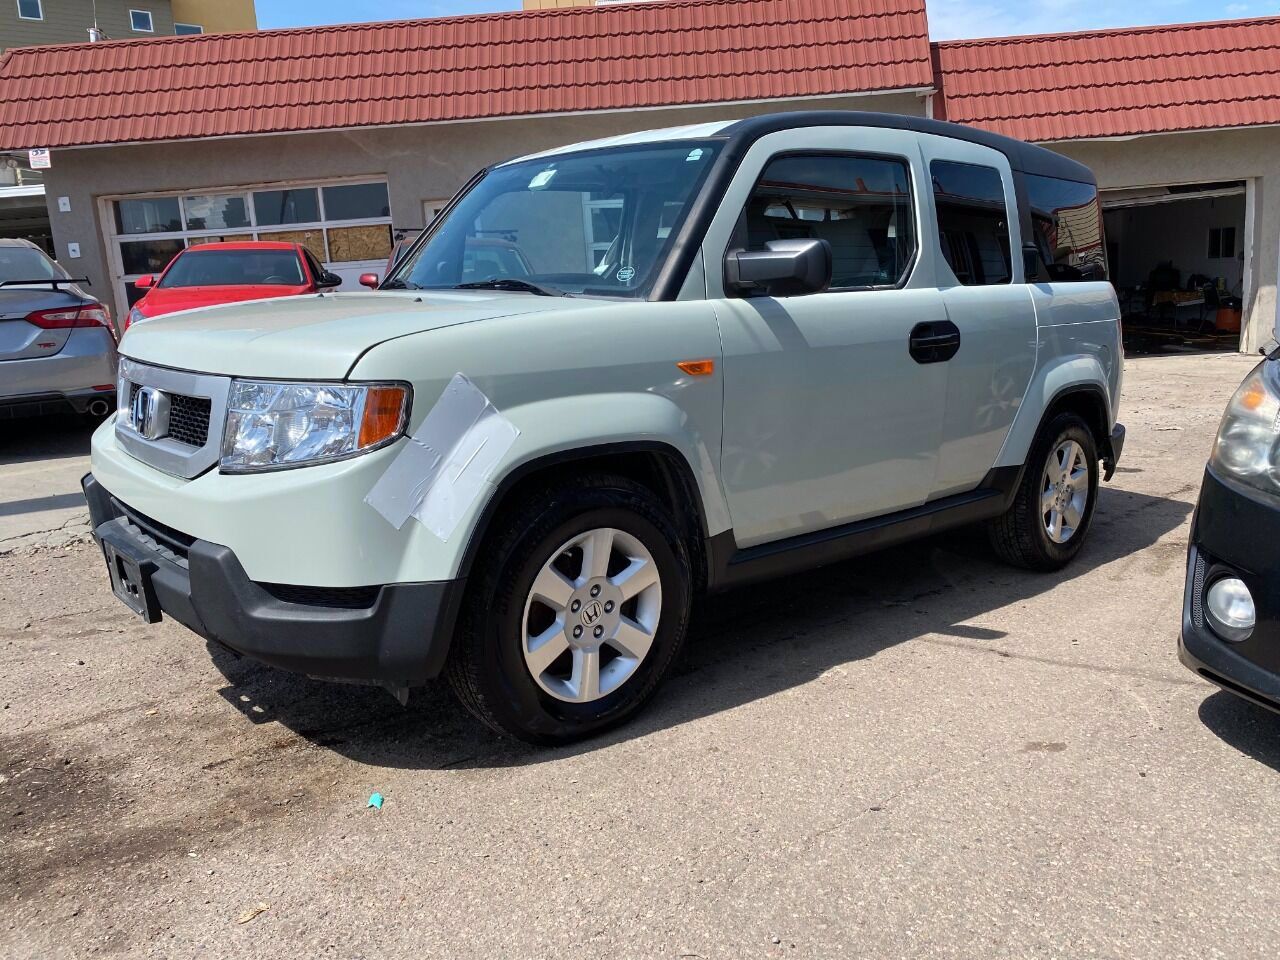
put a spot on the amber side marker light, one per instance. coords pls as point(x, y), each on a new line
point(383, 414)
point(1253, 398)
point(697, 368)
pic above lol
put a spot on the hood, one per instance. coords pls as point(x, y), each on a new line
point(315, 337)
point(160, 301)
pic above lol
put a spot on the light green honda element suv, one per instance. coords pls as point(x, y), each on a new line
point(610, 377)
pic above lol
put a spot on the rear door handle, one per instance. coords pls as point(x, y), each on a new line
point(934, 341)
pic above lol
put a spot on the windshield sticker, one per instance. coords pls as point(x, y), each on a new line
point(694, 155)
point(448, 462)
point(626, 274)
point(542, 179)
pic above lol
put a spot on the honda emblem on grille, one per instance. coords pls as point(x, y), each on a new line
point(149, 413)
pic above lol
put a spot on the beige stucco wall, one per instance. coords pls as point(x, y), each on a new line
point(420, 163)
point(1252, 155)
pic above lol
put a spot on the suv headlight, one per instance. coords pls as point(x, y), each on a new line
point(1246, 447)
point(273, 426)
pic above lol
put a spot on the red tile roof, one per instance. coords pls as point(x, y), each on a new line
point(1110, 83)
point(459, 68)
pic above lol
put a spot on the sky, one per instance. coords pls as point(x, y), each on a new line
point(948, 19)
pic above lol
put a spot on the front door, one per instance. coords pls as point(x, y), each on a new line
point(828, 418)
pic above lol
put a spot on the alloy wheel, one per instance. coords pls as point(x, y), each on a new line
point(591, 615)
point(1064, 491)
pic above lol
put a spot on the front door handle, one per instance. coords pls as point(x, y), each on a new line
point(935, 341)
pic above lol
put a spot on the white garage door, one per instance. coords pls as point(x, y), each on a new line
point(346, 224)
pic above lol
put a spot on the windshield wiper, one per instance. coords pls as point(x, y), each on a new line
point(398, 284)
point(512, 283)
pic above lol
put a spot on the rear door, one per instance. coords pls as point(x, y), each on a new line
point(977, 245)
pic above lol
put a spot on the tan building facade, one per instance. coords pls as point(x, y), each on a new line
point(217, 16)
point(25, 23)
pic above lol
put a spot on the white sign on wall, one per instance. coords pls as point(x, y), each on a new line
point(40, 159)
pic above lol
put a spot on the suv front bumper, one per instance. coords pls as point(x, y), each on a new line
point(396, 635)
point(1234, 534)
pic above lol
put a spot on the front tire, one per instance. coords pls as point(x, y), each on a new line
point(576, 613)
point(1046, 525)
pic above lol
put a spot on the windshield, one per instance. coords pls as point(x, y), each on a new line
point(222, 268)
point(597, 223)
point(23, 263)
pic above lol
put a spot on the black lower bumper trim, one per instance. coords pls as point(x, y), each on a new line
point(401, 639)
point(1112, 447)
point(1234, 534)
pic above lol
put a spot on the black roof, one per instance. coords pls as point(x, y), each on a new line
point(1022, 156)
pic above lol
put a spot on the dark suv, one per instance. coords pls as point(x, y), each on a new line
point(1231, 610)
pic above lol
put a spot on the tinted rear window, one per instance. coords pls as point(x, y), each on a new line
point(23, 263)
point(1068, 228)
point(221, 268)
point(973, 223)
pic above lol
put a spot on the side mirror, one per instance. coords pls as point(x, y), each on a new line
point(369, 280)
point(784, 268)
point(328, 281)
point(145, 283)
point(1030, 262)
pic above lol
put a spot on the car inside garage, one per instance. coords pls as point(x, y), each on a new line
point(1178, 261)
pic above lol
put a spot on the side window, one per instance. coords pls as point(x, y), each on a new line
point(1067, 221)
point(860, 205)
point(973, 222)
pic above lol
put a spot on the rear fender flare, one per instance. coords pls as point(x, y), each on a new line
point(1050, 384)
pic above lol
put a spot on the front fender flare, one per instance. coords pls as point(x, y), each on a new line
point(599, 424)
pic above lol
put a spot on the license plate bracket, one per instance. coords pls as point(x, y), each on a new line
point(131, 583)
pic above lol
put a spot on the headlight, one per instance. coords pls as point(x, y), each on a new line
point(1246, 447)
point(135, 316)
point(272, 426)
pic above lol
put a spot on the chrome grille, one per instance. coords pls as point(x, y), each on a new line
point(182, 431)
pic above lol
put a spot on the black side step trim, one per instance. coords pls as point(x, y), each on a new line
point(732, 566)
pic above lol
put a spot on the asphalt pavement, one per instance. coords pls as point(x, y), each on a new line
point(41, 463)
point(914, 755)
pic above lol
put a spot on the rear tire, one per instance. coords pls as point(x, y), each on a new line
point(578, 606)
point(1047, 523)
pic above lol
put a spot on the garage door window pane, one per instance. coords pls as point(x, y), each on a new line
point(152, 215)
point(860, 205)
point(148, 256)
point(1068, 228)
point(224, 238)
point(216, 213)
point(275, 207)
point(973, 224)
point(352, 244)
point(313, 240)
point(360, 201)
